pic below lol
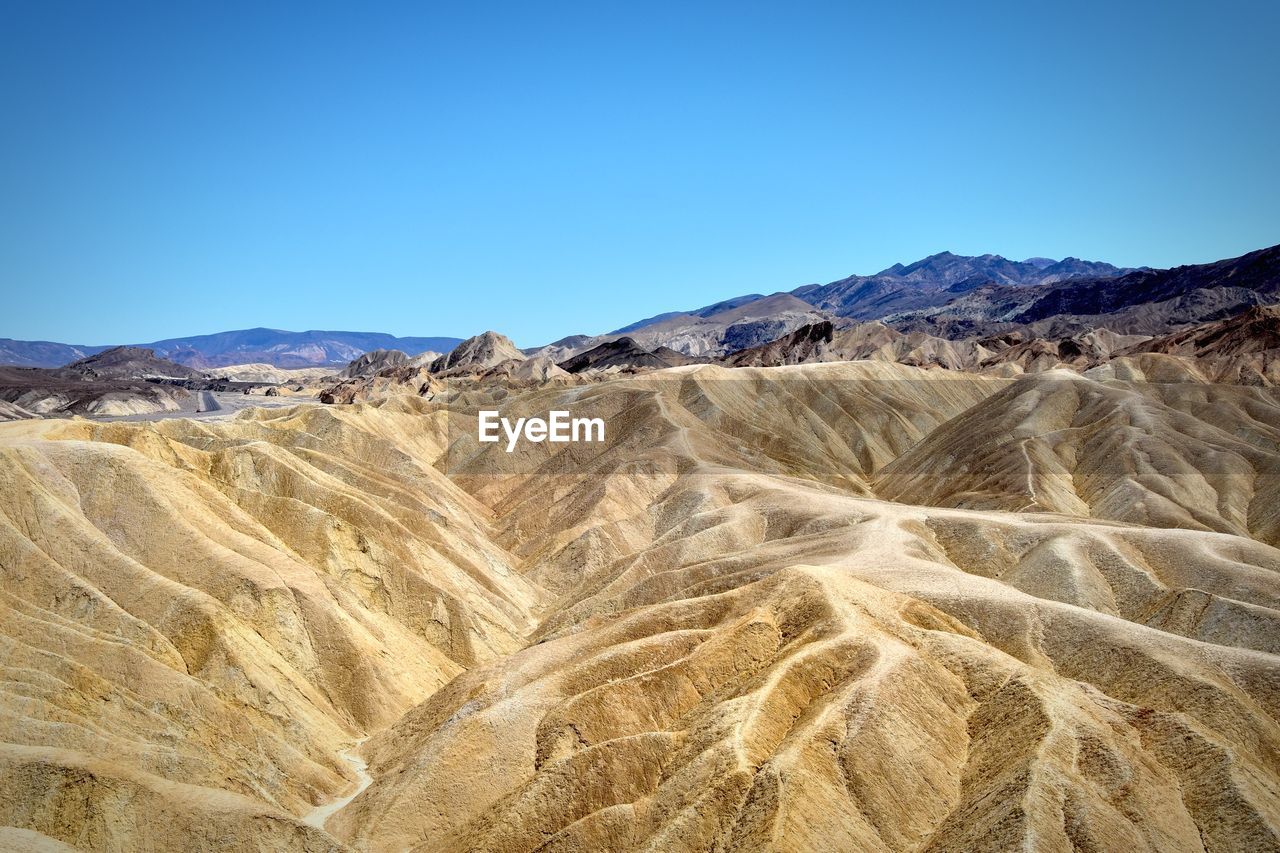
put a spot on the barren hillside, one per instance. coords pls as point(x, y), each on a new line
point(856, 606)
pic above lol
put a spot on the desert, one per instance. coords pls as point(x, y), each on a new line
point(714, 630)
point(706, 427)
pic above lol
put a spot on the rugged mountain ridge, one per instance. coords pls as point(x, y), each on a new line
point(487, 354)
point(1242, 349)
point(117, 381)
point(959, 297)
point(477, 354)
point(131, 363)
point(944, 295)
point(625, 353)
point(938, 279)
point(1151, 302)
point(752, 320)
point(706, 332)
point(825, 342)
point(372, 362)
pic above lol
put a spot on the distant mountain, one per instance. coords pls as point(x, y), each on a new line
point(113, 382)
point(289, 349)
point(624, 354)
point(1243, 281)
point(714, 330)
point(476, 355)
point(371, 362)
point(1252, 331)
point(267, 346)
point(753, 319)
point(728, 326)
point(806, 344)
point(1152, 302)
point(726, 305)
point(42, 353)
point(936, 280)
point(487, 354)
point(860, 341)
point(131, 363)
point(942, 296)
point(956, 297)
point(570, 344)
point(1242, 349)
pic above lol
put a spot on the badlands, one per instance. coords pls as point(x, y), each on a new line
point(825, 606)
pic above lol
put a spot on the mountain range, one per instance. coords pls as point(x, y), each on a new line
point(276, 347)
point(959, 297)
point(114, 382)
point(1136, 302)
point(944, 295)
point(956, 297)
point(938, 279)
point(983, 574)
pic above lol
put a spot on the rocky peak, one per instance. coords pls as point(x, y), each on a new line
point(478, 353)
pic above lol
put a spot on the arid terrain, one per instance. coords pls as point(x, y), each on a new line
point(639, 428)
point(981, 573)
point(824, 606)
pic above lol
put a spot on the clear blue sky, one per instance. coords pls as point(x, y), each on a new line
point(550, 168)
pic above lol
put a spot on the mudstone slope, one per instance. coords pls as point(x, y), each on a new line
point(853, 605)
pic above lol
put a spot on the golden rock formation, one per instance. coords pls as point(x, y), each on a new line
point(845, 606)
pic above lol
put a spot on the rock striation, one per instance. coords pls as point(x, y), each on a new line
point(835, 605)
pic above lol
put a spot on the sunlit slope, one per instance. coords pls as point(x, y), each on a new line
point(227, 606)
point(831, 425)
point(754, 654)
point(1181, 454)
point(752, 618)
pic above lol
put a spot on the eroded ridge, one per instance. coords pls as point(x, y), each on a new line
point(750, 620)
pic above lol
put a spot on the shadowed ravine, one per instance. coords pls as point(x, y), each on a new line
point(321, 814)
